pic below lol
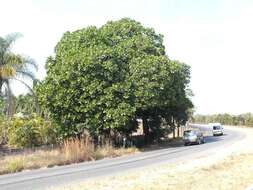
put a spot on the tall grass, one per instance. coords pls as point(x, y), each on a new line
point(71, 151)
point(75, 150)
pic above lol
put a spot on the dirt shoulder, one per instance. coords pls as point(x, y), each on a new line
point(231, 169)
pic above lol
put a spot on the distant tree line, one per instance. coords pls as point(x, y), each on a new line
point(225, 119)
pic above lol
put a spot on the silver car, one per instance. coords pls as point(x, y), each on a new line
point(193, 137)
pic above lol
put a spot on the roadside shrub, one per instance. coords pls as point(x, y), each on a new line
point(15, 165)
point(47, 131)
point(23, 132)
point(29, 132)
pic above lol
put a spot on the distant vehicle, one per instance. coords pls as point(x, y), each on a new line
point(193, 137)
point(217, 129)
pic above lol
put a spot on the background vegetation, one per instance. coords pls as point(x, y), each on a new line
point(226, 119)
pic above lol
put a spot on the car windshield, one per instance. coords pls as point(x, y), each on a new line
point(216, 127)
point(189, 133)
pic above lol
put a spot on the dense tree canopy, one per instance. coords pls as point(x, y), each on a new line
point(103, 79)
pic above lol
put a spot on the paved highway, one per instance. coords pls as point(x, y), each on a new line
point(43, 178)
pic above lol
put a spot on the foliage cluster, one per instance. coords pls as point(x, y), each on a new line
point(30, 131)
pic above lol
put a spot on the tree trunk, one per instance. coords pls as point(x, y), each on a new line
point(1, 85)
point(145, 130)
point(174, 132)
point(174, 128)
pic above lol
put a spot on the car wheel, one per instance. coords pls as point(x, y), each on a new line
point(185, 144)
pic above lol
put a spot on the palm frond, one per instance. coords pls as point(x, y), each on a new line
point(29, 62)
point(25, 74)
point(25, 84)
point(11, 38)
point(20, 62)
point(12, 60)
point(6, 43)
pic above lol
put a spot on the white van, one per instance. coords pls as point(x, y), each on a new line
point(217, 129)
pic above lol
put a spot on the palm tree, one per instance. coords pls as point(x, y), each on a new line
point(13, 68)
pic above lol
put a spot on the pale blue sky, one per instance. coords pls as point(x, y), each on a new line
point(214, 37)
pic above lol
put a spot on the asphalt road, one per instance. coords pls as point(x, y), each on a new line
point(45, 178)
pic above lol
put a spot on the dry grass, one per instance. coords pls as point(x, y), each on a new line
point(72, 151)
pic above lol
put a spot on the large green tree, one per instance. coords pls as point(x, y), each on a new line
point(103, 79)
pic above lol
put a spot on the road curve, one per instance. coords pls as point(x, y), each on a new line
point(45, 178)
